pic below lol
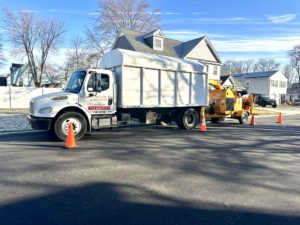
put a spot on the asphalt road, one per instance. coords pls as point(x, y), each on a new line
point(232, 174)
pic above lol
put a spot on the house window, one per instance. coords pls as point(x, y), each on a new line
point(282, 84)
point(215, 72)
point(158, 44)
point(274, 83)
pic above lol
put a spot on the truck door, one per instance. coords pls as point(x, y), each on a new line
point(100, 94)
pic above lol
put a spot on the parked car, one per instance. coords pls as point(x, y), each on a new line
point(264, 100)
point(296, 102)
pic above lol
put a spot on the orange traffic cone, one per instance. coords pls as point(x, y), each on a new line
point(70, 143)
point(252, 122)
point(203, 126)
point(279, 120)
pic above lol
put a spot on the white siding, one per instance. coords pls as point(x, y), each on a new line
point(211, 71)
point(202, 51)
point(277, 91)
point(150, 87)
point(183, 80)
point(132, 91)
point(168, 88)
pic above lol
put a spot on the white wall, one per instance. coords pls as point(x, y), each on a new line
point(258, 85)
point(202, 51)
point(276, 92)
point(211, 75)
point(19, 97)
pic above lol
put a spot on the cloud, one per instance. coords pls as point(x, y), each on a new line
point(28, 11)
point(66, 11)
point(3, 30)
point(282, 18)
point(228, 20)
point(166, 13)
point(269, 44)
point(185, 35)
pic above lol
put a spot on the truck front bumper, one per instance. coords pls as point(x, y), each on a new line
point(39, 123)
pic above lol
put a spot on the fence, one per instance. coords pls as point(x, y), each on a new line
point(19, 97)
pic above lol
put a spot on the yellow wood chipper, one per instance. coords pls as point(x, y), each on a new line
point(228, 103)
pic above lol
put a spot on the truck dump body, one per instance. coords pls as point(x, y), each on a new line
point(148, 81)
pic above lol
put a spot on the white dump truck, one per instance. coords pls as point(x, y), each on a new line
point(129, 85)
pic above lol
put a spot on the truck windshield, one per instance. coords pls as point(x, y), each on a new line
point(75, 82)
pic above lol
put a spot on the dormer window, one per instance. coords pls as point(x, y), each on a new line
point(158, 44)
point(155, 40)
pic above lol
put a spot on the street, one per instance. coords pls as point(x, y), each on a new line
point(231, 174)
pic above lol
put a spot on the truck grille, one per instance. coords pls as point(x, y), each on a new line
point(31, 107)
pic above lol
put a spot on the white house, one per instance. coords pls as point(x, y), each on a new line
point(271, 83)
point(20, 76)
point(155, 42)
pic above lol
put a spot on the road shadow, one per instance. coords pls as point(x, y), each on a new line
point(112, 203)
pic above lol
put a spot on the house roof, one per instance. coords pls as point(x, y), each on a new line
point(138, 42)
point(154, 32)
point(255, 74)
point(238, 85)
point(172, 48)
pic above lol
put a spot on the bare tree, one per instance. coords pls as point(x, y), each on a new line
point(33, 37)
point(237, 66)
point(79, 56)
point(248, 65)
point(114, 15)
point(294, 56)
point(288, 71)
point(266, 64)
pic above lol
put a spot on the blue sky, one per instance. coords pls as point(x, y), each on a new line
point(238, 29)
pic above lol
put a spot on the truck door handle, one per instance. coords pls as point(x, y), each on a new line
point(110, 100)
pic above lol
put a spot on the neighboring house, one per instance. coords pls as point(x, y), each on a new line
point(293, 92)
point(21, 77)
point(271, 83)
point(155, 42)
point(231, 82)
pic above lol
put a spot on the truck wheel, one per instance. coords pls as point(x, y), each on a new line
point(61, 126)
point(187, 119)
point(263, 104)
point(244, 119)
point(274, 104)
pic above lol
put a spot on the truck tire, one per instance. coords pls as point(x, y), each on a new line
point(263, 104)
point(274, 104)
point(187, 119)
point(244, 119)
point(61, 126)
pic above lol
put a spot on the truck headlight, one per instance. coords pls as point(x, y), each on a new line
point(45, 110)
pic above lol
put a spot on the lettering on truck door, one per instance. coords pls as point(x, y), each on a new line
point(100, 97)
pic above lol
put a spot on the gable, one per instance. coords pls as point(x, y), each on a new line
point(227, 83)
point(123, 43)
point(202, 52)
point(278, 76)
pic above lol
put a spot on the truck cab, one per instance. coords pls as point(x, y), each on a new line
point(87, 101)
